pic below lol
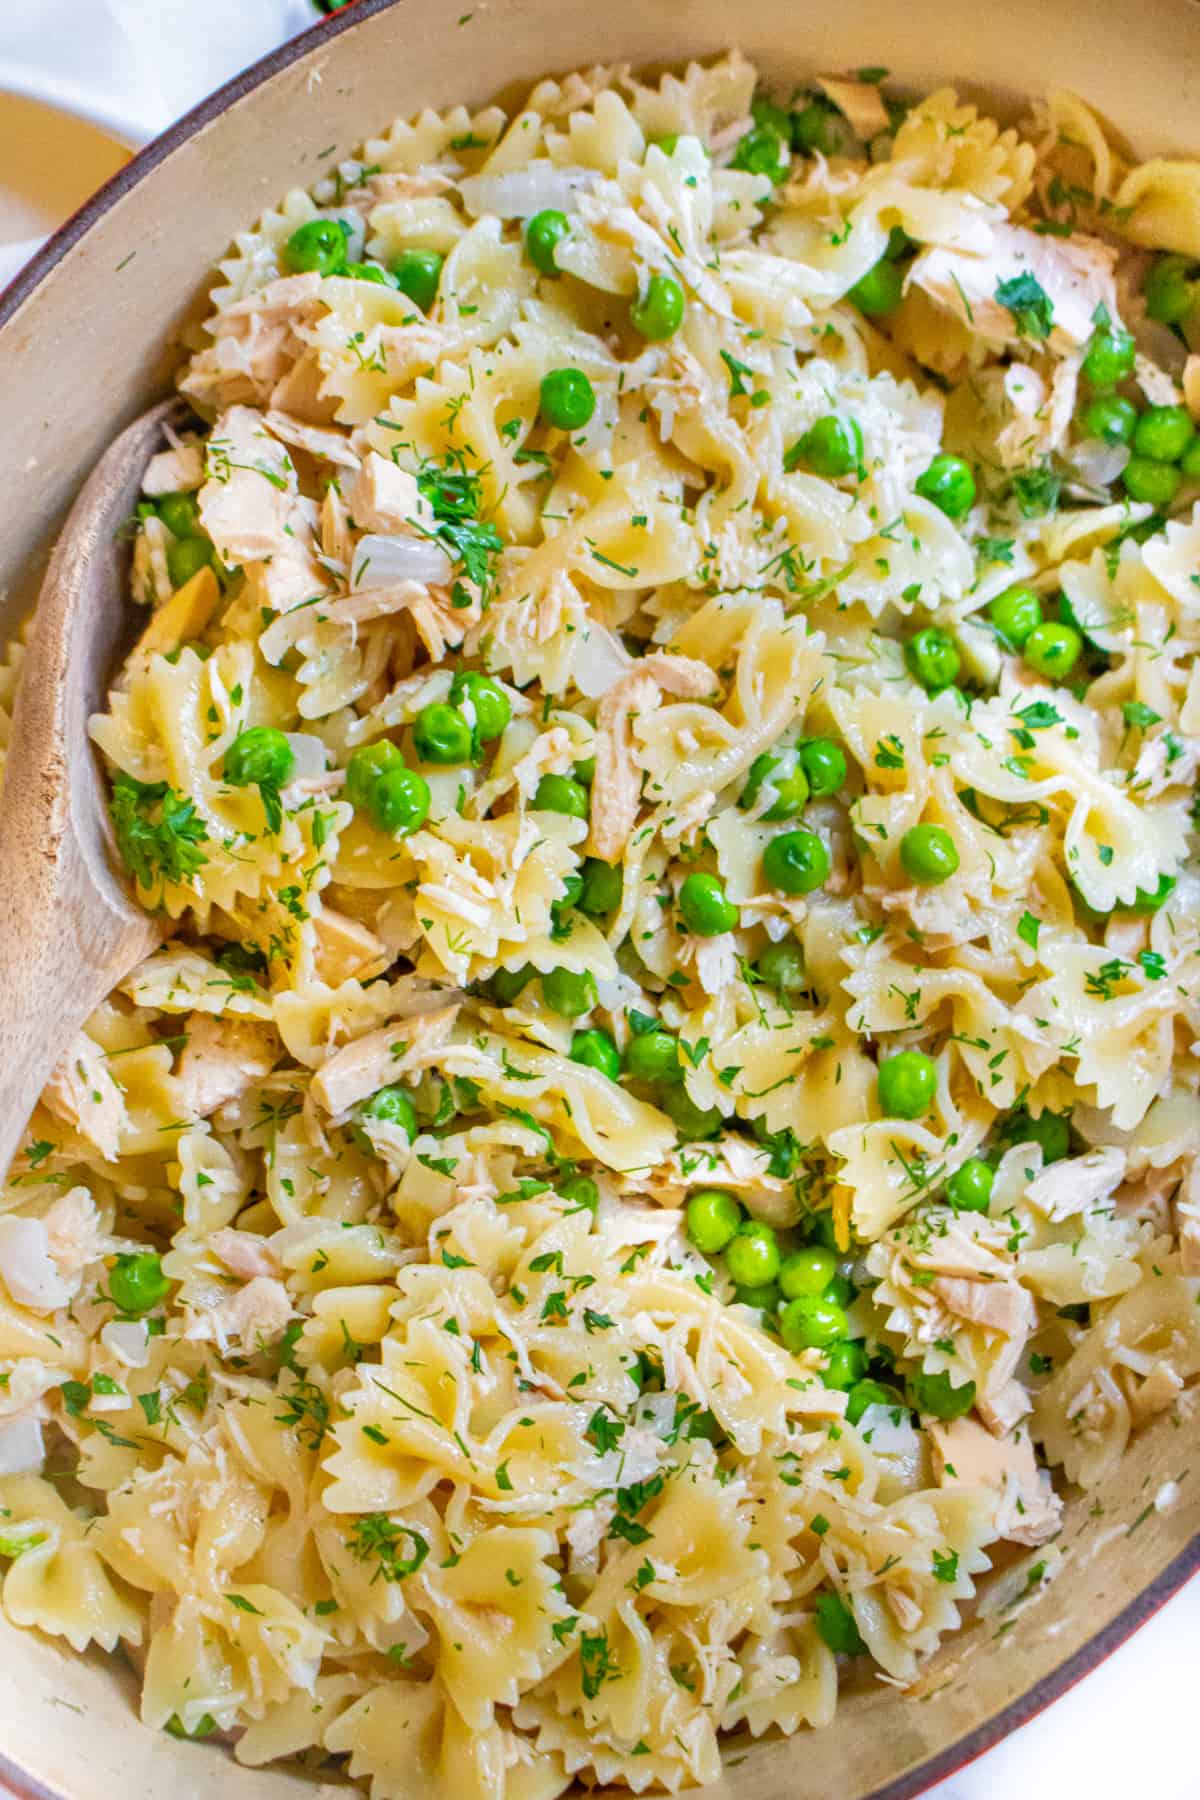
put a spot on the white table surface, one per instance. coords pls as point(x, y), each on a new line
point(133, 66)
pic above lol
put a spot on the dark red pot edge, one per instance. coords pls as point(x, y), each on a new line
point(1090, 1655)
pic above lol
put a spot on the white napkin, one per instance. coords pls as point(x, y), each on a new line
point(133, 66)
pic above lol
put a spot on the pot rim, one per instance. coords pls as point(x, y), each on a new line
point(1181, 1568)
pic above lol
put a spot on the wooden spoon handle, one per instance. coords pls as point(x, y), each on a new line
point(69, 930)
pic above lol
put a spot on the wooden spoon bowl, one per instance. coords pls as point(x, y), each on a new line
point(70, 927)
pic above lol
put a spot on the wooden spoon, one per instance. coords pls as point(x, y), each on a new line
point(70, 927)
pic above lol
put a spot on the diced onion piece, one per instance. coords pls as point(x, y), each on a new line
point(522, 192)
point(1098, 464)
point(600, 660)
point(384, 562)
point(21, 1450)
point(128, 1340)
point(312, 758)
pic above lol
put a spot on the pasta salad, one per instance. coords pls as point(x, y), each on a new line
point(662, 1128)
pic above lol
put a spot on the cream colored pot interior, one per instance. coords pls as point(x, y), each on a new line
point(91, 346)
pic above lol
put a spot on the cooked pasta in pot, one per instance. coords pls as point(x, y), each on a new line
point(665, 1117)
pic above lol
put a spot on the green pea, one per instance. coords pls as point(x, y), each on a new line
point(366, 765)
point(1163, 433)
point(841, 1290)
point(781, 966)
point(752, 1256)
point(417, 274)
point(1109, 356)
point(762, 151)
point(1148, 900)
point(316, 248)
point(369, 271)
point(949, 484)
point(906, 1084)
point(668, 143)
point(807, 1271)
point(899, 243)
point(489, 703)
point(871, 1393)
point(830, 447)
point(837, 1628)
point(1111, 419)
point(1015, 613)
point(969, 1189)
point(584, 771)
point(796, 862)
point(568, 993)
point(777, 118)
point(824, 764)
point(258, 757)
point(653, 1057)
point(658, 313)
point(810, 1322)
point(707, 910)
point(790, 784)
point(938, 1396)
point(763, 1299)
point(603, 885)
point(879, 290)
point(179, 513)
point(399, 800)
point(392, 1106)
point(596, 1050)
point(567, 399)
point(713, 1218)
point(1171, 290)
point(186, 557)
point(928, 854)
point(1156, 483)
point(441, 734)
point(581, 1191)
point(1052, 649)
point(1189, 462)
point(136, 1282)
point(507, 985)
point(692, 1122)
point(933, 659)
point(820, 126)
point(845, 1365)
point(1050, 1131)
point(559, 794)
point(543, 234)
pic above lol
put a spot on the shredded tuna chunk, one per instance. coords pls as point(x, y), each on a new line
point(248, 502)
point(254, 343)
point(386, 498)
point(1003, 1306)
point(256, 1314)
point(1075, 274)
point(380, 1057)
point(73, 1234)
point(222, 1058)
point(617, 788)
point(82, 1093)
point(318, 440)
point(1078, 1184)
point(243, 1253)
point(346, 948)
point(965, 1455)
point(179, 470)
